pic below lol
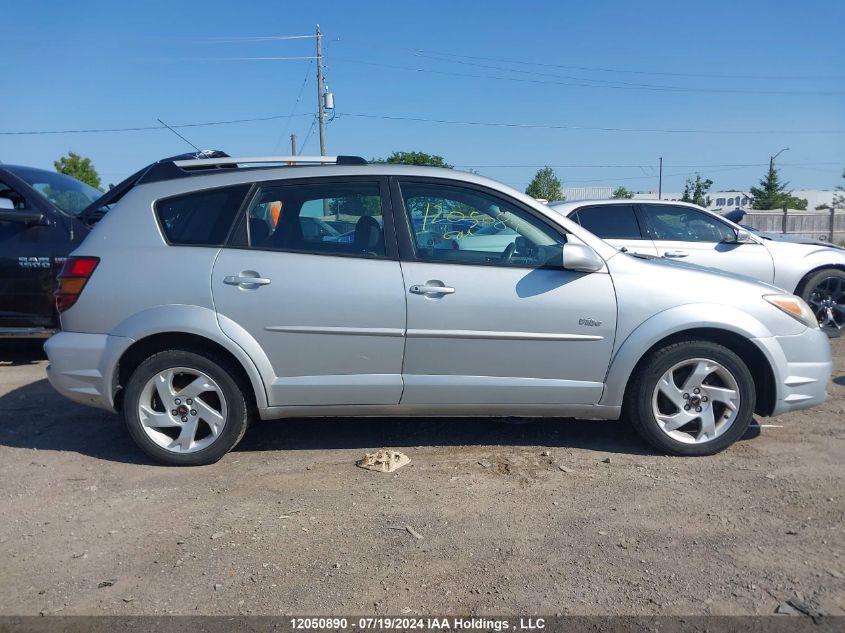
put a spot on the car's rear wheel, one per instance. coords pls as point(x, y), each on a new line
point(824, 292)
point(691, 398)
point(185, 409)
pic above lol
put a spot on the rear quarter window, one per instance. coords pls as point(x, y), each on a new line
point(200, 218)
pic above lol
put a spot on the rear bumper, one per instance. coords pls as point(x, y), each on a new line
point(802, 366)
point(82, 366)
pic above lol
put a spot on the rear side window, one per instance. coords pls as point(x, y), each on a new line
point(323, 218)
point(612, 221)
point(200, 218)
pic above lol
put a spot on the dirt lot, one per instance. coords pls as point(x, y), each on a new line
point(288, 524)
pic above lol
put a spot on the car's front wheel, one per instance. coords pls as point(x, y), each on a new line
point(691, 398)
point(185, 409)
point(824, 292)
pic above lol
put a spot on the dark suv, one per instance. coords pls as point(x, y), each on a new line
point(39, 225)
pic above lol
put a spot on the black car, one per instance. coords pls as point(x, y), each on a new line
point(44, 216)
point(39, 226)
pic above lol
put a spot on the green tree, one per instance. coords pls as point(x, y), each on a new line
point(695, 191)
point(622, 193)
point(414, 158)
point(545, 185)
point(77, 167)
point(772, 193)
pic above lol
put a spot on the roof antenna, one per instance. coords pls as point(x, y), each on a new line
point(199, 151)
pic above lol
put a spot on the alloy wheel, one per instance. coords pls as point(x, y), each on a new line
point(827, 300)
point(182, 410)
point(696, 400)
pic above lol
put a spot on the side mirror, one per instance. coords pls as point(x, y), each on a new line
point(20, 216)
point(744, 237)
point(741, 237)
point(6, 203)
point(581, 258)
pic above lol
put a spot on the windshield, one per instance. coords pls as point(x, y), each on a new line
point(69, 194)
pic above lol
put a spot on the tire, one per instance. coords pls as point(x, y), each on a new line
point(186, 424)
point(644, 401)
point(830, 284)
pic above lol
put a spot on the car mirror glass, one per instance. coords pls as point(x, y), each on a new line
point(744, 237)
point(6, 203)
point(739, 236)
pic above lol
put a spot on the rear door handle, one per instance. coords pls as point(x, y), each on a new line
point(675, 254)
point(247, 279)
point(431, 289)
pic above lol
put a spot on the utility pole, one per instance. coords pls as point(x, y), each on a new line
point(660, 181)
point(293, 144)
point(321, 112)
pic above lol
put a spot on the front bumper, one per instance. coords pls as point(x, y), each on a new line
point(82, 366)
point(802, 366)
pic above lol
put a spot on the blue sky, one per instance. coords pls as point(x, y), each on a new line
point(630, 65)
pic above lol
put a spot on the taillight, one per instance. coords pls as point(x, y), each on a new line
point(75, 273)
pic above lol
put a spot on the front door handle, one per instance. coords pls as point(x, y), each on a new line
point(675, 254)
point(247, 279)
point(431, 288)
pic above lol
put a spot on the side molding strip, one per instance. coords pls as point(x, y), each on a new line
point(449, 334)
point(502, 336)
point(342, 331)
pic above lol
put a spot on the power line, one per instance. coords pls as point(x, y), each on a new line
point(252, 59)
point(600, 82)
point(150, 127)
point(523, 62)
point(308, 136)
point(579, 128)
point(251, 38)
point(687, 173)
point(586, 166)
point(628, 71)
point(593, 85)
point(388, 117)
point(296, 103)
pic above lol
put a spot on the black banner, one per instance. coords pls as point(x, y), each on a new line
point(427, 624)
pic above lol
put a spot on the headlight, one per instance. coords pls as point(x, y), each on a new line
point(794, 307)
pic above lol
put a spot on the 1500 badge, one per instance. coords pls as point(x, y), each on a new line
point(34, 262)
point(590, 322)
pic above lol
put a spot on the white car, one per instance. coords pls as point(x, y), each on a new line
point(686, 232)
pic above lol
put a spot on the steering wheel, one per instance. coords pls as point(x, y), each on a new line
point(508, 253)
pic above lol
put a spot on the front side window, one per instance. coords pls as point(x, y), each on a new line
point(612, 221)
point(331, 218)
point(69, 194)
point(685, 224)
point(200, 218)
point(451, 223)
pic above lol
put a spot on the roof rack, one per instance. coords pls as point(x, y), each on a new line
point(183, 168)
point(263, 160)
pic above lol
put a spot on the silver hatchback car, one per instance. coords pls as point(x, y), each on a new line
point(206, 298)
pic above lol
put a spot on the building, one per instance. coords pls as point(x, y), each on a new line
point(728, 200)
point(574, 194)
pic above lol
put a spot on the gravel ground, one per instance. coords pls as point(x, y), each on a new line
point(288, 524)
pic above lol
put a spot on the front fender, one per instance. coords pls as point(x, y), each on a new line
point(202, 322)
point(788, 274)
point(667, 323)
